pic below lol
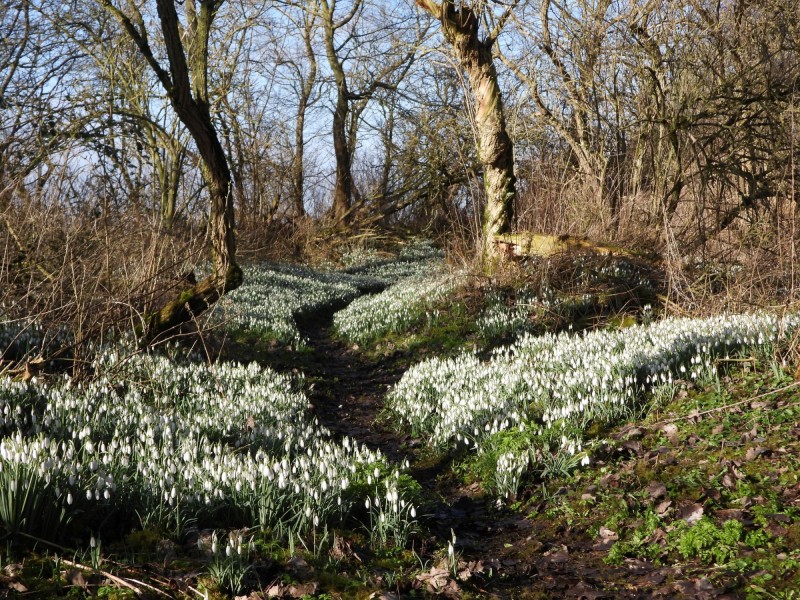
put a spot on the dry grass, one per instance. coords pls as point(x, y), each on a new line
point(747, 265)
point(89, 276)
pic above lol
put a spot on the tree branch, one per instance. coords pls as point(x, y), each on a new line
point(140, 39)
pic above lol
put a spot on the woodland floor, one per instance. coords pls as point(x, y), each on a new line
point(726, 450)
point(527, 551)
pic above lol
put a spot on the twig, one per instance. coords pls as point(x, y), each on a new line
point(114, 578)
point(64, 549)
point(150, 587)
point(201, 594)
point(727, 406)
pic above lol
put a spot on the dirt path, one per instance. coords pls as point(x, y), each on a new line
point(347, 390)
point(532, 552)
point(506, 554)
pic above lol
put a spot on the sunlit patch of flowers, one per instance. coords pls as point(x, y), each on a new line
point(230, 566)
point(510, 468)
point(360, 256)
point(499, 319)
point(556, 381)
point(272, 297)
point(619, 270)
point(178, 443)
point(416, 259)
point(403, 304)
point(391, 517)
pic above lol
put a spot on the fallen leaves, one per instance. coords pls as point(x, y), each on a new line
point(670, 430)
point(298, 590)
point(692, 513)
point(656, 490)
point(438, 581)
point(608, 534)
point(753, 452)
point(662, 508)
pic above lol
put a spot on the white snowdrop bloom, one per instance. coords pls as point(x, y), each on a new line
point(563, 378)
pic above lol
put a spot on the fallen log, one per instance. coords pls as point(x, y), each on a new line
point(526, 244)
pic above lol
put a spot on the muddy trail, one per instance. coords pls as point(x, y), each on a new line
point(346, 391)
point(504, 553)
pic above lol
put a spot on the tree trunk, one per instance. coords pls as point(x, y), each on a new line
point(186, 85)
point(495, 149)
point(193, 111)
point(306, 90)
point(343, 190)
point(298, 176)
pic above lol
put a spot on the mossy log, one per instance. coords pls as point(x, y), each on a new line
point(526, 244)
point(190, 303)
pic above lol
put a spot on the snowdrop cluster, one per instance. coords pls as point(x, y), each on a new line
point(20, 338)
point(391, 518)
point(176, 442)
point(401, 305)
point(510, 468)
point(360, 256)
point(417, 259)
point(498, 319)
point(567, 380)
point(619, 270)
point(273, 296)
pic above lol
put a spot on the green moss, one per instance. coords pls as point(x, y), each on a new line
point(234, 277)
point(115, 593)
point(708, 542)
point(142, 543)
point(448, 329)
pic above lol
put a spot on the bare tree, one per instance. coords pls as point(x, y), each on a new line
point(246, 53)
point(304, 73)
point(428, 151)
point(383, 63)
point(463, 28)
point(186, 85)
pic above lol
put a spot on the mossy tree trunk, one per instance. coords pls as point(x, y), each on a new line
point(461, 29)
point(186, 85)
